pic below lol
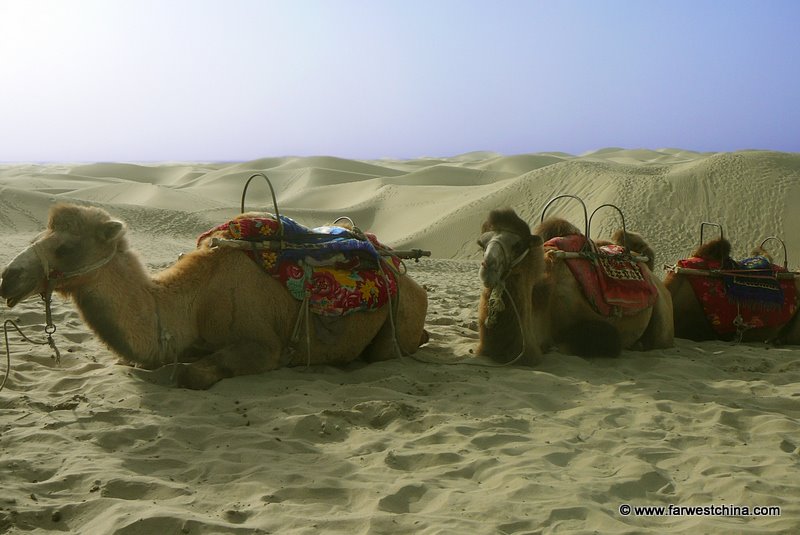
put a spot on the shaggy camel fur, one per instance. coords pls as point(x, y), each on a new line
point(550, 302)
point(692, 323)
point(214, 311)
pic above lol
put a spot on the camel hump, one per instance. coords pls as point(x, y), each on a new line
point(636, 244)
point(760, 251)
point(597, 339)
point(555, 227)
point(719, 249)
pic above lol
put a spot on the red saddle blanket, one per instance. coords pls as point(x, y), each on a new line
point(770, 303)
point(347, 282)
point(613, 284)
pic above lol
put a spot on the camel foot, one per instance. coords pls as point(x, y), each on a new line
point(181, 375)
point(425, 338)
point(195, 377)
point(160, 376)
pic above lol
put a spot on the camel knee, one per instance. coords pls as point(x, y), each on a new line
point(246, 358)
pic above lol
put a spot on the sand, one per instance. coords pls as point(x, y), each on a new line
point(429, 445)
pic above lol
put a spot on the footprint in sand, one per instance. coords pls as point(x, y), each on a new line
point(402, 500)
point(789, 447)
point(416, 461)
point(649, 483)
point(560, 458)
point(515, 527)
point(141, 490)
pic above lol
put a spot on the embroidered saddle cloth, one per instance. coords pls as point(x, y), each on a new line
point(749, 288)
point(611, 282)
point(340, 271)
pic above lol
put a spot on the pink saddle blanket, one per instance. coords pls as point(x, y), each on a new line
point(611, 282)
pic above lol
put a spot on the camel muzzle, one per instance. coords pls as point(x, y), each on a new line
point(16, 284)
point(9, 287)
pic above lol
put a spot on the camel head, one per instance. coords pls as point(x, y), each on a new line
point(506, 240)
point(78, 240)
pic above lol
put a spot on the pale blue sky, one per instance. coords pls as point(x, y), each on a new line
point(146, 80)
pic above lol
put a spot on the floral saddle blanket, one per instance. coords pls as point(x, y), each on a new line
point(748, 288)
point(614, 284)
point(340, 271)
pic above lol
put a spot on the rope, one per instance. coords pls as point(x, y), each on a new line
point(486, 364)
point(8, 352)
point(303, 316)
point(49, 329)
point(495, 304)
point(674, 268)
point(521, 332)
point(52, 278)
point(395, 343)
point(741, 326)
point(308, 327)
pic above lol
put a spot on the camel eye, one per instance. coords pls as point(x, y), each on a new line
point(484, 239)
point(66, 249)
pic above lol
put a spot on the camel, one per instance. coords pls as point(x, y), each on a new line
point(214, 313)
point(691, 321)
point(532, 302)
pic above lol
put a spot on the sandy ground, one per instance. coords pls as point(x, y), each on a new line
point(435, 444)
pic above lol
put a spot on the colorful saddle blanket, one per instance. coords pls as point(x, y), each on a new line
point(748, 288)
point(340, 271)
point(612, 283)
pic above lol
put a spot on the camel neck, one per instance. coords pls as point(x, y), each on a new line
point(120, 302)
point(505, 337)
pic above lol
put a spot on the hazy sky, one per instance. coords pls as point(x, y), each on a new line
point(147, 80)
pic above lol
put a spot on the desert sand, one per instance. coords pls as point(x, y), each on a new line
point(439, 443)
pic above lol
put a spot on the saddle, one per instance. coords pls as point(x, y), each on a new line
point(339, 271)
point(613, 282)
point(747, 293)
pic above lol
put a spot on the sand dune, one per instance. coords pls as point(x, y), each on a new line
point(435, 444)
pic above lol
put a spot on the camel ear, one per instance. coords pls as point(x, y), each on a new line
point(535, 240)
point(111, 230)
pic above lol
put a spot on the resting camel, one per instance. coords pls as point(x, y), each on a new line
point(214, 311)
point(543, 304)
point(692, 322)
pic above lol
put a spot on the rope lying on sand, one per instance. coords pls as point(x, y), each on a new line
point(49, 329)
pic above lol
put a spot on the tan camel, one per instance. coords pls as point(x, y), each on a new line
point(542, 305)
point(214, 311)
point(690, 319)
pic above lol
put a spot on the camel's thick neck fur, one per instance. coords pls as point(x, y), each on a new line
point(132, 312)
point(503, 341)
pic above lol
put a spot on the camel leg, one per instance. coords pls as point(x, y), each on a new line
point(383, 346)
point(243, 358)
point(409, 322)
point(660, 332)
point(410, 318)
point(790, 334)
